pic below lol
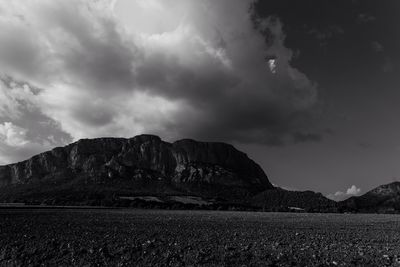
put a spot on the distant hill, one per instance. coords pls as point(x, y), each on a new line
point(383, 199)
point(107, 168)
point(284, 200)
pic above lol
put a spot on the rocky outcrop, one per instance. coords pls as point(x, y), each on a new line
point(140, 160)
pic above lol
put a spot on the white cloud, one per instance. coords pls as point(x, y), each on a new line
point(13, 97)
point(339, 195)
point(15, 145)
point(12, 135)
point(353, 190)
point(272, 65)
point(24, 129)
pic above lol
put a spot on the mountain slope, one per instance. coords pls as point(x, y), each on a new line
point(384, 198)
point(140, 165)
point(281, 200)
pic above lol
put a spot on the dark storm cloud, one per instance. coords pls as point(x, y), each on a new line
point(19, 52)
point(230, 105)
point(326, 34)
point(95, 54)
point(93, 114)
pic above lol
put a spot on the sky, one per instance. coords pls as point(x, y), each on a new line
point(308, 89)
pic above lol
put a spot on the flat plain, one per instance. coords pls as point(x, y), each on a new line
point(129, 237)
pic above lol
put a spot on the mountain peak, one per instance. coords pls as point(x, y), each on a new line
point(146, 137)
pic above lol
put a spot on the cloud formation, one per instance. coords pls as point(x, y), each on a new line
point(24, 129)
point(14, 142)
point(339, 195)
point(183, 68)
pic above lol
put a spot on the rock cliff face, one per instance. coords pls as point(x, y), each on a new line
point(140, 160)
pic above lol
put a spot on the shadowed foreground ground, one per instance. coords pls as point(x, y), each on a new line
point(209, 238)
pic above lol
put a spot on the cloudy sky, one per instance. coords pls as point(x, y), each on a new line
point(309, 89)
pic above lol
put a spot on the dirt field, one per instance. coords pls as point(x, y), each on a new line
point(207, 238)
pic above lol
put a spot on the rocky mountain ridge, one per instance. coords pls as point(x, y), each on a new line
point(141, 161)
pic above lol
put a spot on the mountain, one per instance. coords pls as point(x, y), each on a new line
point(382, 199)
point(146, 171)
point(90, 169)
point(284, 200)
